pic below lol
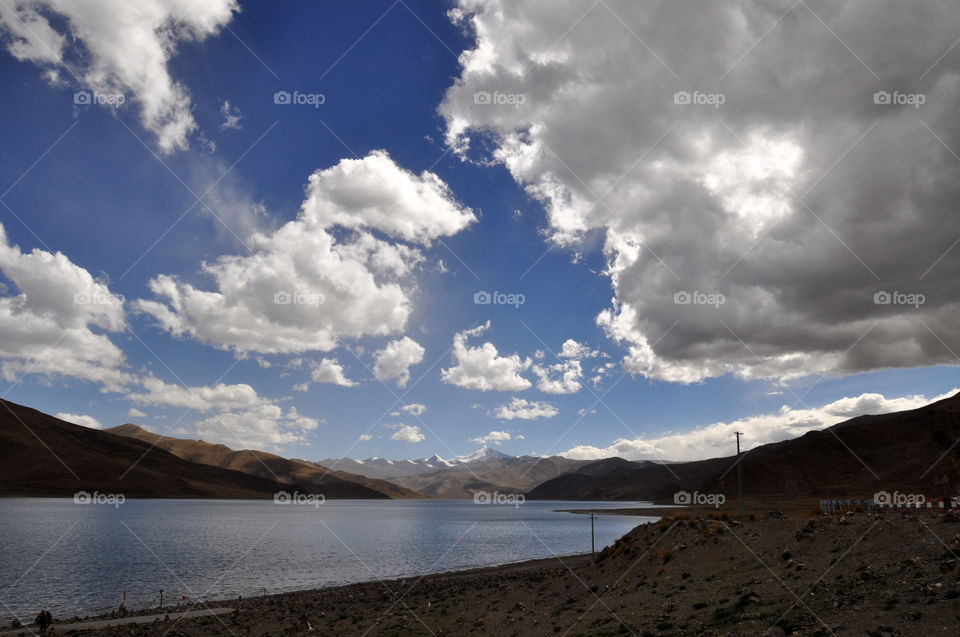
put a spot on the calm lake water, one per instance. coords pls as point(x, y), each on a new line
point(77, 559)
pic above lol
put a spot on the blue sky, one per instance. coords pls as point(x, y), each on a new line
point(511, 199)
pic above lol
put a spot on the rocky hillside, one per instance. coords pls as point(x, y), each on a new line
point(45, 456)
point(313, 478)
point(909, 450)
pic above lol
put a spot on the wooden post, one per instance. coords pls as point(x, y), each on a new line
point(739, 476)
point(593, 547)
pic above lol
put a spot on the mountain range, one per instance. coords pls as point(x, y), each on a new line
point(388, 469)
point(914, 450)
point(311, 477)
point(486, 469)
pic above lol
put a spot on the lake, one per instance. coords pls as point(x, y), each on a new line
point(77, 559)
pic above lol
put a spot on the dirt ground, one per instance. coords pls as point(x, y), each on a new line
point(878, 575)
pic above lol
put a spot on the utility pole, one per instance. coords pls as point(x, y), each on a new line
point(593, 548)
point(739, 475)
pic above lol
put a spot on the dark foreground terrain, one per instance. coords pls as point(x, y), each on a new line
point(859, 574)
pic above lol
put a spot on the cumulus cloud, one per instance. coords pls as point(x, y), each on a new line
point(482, 368)
point(600, 372)
point(496, 437)
point(373, 193)
point(133, 412)
point(304, 287)
point(241, 418)
point(564, 376)
point(364, 437)
point(393, 362)
point(115, 46)
point(797, 199)
point(329, 370)
point(263, 426)
point(79, 419)
point(559, 378)
point(56, 325)
point(408, 433)
point(717, 439)
point(415, 409)
point(221, 396)
point(524, 410)
point(573, 349)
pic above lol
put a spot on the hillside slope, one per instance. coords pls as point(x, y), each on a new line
point(909, 450)
point(45, 456)
point(315, 479)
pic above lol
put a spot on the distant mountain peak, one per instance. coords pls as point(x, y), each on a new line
point(480, 455)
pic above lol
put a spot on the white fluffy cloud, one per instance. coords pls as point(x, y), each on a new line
point(221, 396)
point(133, 412)
point(263, 426)
point(393, 362)
point(797, 199)
point(82, 420)
point(524, 410)
point(496, 437)
point(482, 368)
point(329, 370)
point(573, 349)
point(48, 328)
point(373, 193)
point(118, 46)
point(415, 409)
point(364, 437)
point(559, 378)
point(717, 439)
point(301, 288)
point(408, 433)
point(241, 418)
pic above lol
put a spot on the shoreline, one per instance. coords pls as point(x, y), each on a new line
point(198, 609)
point(686, 574)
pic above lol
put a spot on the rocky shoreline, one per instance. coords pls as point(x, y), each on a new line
point(881, 575)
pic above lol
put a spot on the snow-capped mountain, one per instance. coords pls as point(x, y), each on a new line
point(480, 455)
point(383, 468)
point(461, 476)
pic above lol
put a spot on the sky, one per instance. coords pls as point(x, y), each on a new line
point(397, 228)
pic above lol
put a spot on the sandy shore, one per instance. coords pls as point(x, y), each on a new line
point(878, 575)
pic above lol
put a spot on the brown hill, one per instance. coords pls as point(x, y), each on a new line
point(912, 450)
point(337, 484)
point(45, 456)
